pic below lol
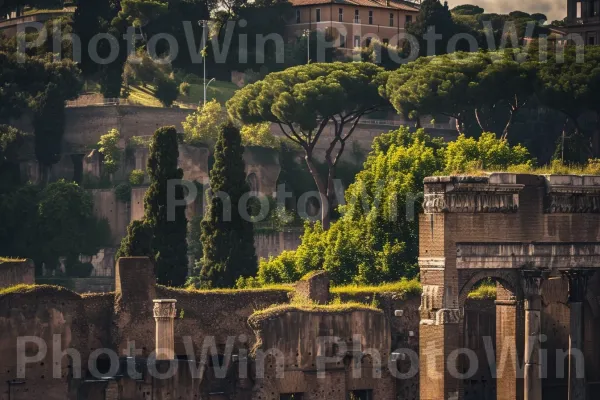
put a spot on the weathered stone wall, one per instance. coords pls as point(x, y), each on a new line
point(294, 334)
point(116, 212)
point(57, 319)
point(269, 244)
point(495, 226)
point(402, 313)
point(14, 272)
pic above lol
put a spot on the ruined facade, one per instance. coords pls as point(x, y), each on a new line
point(538, 237)
point(153, 342)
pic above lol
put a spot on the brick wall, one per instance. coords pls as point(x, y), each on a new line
point(16, 272)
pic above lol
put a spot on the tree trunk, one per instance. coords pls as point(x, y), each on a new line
point(459, 124)
point(479, 119)
point(508, 124)
point(325, 217)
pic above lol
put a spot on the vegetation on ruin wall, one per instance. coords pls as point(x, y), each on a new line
point(307, 306)
point(404, 288)
point(485, 291)
point(11, 260)
point(24, 289)
point(190, 290)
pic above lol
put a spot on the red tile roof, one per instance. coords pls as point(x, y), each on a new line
point(391, 4)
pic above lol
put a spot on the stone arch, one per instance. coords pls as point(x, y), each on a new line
point(509, 279)
point(253, 182)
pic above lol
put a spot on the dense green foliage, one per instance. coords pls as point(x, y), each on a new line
point(433, 14)
point(42, 86)
point(376, 239)
point(160, 235)
point(11, 139)
point(108, 147)
point(47, 223)
point(303, 100)
point(227, 235)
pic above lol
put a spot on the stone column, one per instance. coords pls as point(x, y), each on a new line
point(164, 315)
point(532, 286)
point(577, 288)
point(508, 383)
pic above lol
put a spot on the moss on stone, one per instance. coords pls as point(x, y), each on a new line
point(10, 260)
point(279, 309)
point(485, 291)
point(268, 288)
point(24, 289)
point(404, 287)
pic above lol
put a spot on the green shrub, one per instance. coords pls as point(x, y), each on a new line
point(166, 91)
point(136, 177)
point(123, 192)
point(184, 89)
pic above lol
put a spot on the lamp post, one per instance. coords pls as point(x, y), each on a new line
point(306, 33)
point(203, 23)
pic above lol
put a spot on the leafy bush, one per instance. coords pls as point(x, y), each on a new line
point(166, 91)
point(184, 89)
point(136, 177)
point(487, 153)
point(123, 192)
point(376, 240)
point(108, 146)
point(202, 126)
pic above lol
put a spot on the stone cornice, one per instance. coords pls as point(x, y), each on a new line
point(497, 192)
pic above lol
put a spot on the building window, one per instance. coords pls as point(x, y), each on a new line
point(408, 19)
point(368, 42)
point(356, 41)
point(596, 8)
point(341, 15)
point(579, 10)
point(318, 15)
point(298, 16)
point(342, 40)
point(370, 17)
point(591, 38)
point(386, 41)
point(356, 16)
point(391, 19)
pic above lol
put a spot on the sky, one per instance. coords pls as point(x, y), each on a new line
point(554, 9)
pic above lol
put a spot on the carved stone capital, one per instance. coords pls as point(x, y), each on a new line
point(164, 308)
point(532, 282)
point(578, 279)
point(448, 316)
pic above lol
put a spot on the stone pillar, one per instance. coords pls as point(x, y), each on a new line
point(508, 383)
point(164, 315)
point(532, 287)
point(577, 288)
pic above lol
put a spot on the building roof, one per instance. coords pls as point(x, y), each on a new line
point(391, 4)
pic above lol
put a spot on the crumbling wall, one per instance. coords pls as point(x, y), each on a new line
point(297, 339)
point(217, 314)
point(14, 272)
point(54, 319)
point(402, 312)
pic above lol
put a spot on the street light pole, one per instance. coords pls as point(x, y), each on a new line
point(204, 22)
point(307, 35)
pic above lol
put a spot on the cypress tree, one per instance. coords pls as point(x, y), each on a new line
point(162, 240)
point(228, 243)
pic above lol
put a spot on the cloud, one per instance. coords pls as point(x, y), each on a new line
point(554, 9)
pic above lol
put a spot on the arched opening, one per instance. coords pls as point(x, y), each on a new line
point(489, 329)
